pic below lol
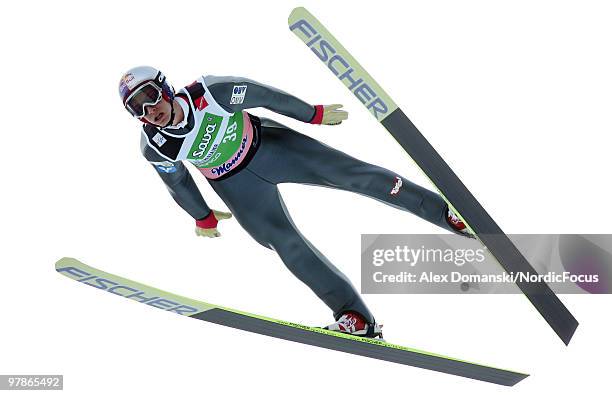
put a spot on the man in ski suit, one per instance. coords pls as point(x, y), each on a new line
point(245, 157)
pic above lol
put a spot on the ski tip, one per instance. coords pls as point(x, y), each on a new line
point(66, 261)
point(298, 13)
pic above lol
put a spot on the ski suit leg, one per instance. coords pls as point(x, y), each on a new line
point(258, 207)
point(286, 156)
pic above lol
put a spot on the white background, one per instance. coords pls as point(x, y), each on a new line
point(514, 95)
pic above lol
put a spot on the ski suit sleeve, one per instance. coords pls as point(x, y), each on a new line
point(179, 183)
point(237, 93)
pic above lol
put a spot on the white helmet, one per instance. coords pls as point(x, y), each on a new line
point(144, 86)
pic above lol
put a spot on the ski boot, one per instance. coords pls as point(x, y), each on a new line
point(355, 324)
point(457, 225)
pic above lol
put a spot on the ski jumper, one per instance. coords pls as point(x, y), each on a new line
point(245, 157)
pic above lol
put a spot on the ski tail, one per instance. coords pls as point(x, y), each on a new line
point(329, 50)
point(373, 348)
point(482, 224)
point(368, 347)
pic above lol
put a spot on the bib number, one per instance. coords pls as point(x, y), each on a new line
point(230, 134)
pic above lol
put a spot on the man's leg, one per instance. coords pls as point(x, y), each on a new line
point(259, 208)
point(286, 156)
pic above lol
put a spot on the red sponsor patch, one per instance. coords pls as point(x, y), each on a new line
point(201, 103)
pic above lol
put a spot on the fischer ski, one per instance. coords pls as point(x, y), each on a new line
point(368, 347)
point(316, 37)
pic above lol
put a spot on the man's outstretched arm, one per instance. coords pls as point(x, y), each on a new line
point(239, 93)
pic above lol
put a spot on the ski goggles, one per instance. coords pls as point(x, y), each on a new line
point(149, 94)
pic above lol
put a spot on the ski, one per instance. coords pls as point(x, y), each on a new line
point(308, 29)
point(373, 348)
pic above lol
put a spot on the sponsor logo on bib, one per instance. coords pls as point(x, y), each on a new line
point(206, 135)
